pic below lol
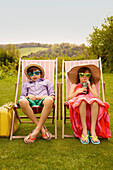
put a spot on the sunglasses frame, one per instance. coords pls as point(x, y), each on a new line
point(35, 72)
point(85, 74)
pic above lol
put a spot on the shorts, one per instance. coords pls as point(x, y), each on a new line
point(33, 102)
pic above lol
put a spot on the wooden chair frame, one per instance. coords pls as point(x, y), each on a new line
point(55, 106)
point(63, 104)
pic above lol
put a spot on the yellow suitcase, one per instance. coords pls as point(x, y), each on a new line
point(6, 113)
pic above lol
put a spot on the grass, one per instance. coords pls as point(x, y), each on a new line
point(66, 153)
point(27, 51)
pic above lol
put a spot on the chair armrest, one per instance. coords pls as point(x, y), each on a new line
point(104, 86)
point(57, 100)
point(15, 87)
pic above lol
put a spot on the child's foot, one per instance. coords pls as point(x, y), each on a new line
point(94, 139)
point(84, 137)
point(31, 137)
point(45, 134)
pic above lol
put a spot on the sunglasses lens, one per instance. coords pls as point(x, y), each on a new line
point(88, 74)
point(30, 74)
point(81, 74)
point(37, 72)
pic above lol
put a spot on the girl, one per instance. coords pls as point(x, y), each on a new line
point(87, 112)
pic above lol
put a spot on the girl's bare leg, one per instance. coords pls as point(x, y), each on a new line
point(94, 115)
point(82, 110)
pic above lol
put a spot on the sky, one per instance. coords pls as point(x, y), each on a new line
point(51, 21)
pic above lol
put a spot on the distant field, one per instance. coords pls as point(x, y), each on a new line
point(27, 51)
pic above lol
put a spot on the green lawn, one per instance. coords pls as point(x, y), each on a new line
point(27, 51)
point(66, 153)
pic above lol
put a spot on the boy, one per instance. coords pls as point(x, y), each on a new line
point(37, 91)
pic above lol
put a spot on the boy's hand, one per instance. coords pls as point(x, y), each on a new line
point(32, 97)
point(40, 97)
point(53, 97)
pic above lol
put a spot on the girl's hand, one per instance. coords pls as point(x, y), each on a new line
point(82, 90)
point(73, 93)
point(89, 84)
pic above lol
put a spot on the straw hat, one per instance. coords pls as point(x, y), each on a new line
point(73, 73)
point(33, 65)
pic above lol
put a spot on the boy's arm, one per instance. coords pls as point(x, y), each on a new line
point(51, 91)
point(24, 91)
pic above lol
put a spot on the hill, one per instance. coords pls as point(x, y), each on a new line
point(29, 50)
point(56, 50)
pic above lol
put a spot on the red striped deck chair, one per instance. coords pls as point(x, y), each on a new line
point(50, 68)
point(67, 65)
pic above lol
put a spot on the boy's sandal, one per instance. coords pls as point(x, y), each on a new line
point(29, 139)
point(47, 135)
point(94, 142)
point(85, 138)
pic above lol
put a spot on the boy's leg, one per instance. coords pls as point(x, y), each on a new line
point(27, 110)
point(48, 103)
point(82, 110)
point(25, 107)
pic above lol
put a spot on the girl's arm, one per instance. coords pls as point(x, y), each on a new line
point(93, 89)
point(73, 94)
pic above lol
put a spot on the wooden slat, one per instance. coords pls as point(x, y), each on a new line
point(63, 99)
point(22, 137)
point(69, 136)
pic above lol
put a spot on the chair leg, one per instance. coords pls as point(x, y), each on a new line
point(55, 124)
point(12, 125)
point(64, 114)
point(17, 115)
point(53, 115)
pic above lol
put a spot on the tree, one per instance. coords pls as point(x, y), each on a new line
point(101, 43)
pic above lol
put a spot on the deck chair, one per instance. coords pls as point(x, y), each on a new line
point(67, 65)
point(50, 67)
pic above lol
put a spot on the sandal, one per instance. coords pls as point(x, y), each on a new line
point(29, 139)
point(47, 135)
point(85, 138)
point(94, 142)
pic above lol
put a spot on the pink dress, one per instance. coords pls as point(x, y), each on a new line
point(102, 125)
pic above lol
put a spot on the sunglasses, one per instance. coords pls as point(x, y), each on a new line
point(35, 72)
point(85, 74)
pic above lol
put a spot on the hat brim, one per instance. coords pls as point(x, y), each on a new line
point(73, 73)
point(33, 65)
